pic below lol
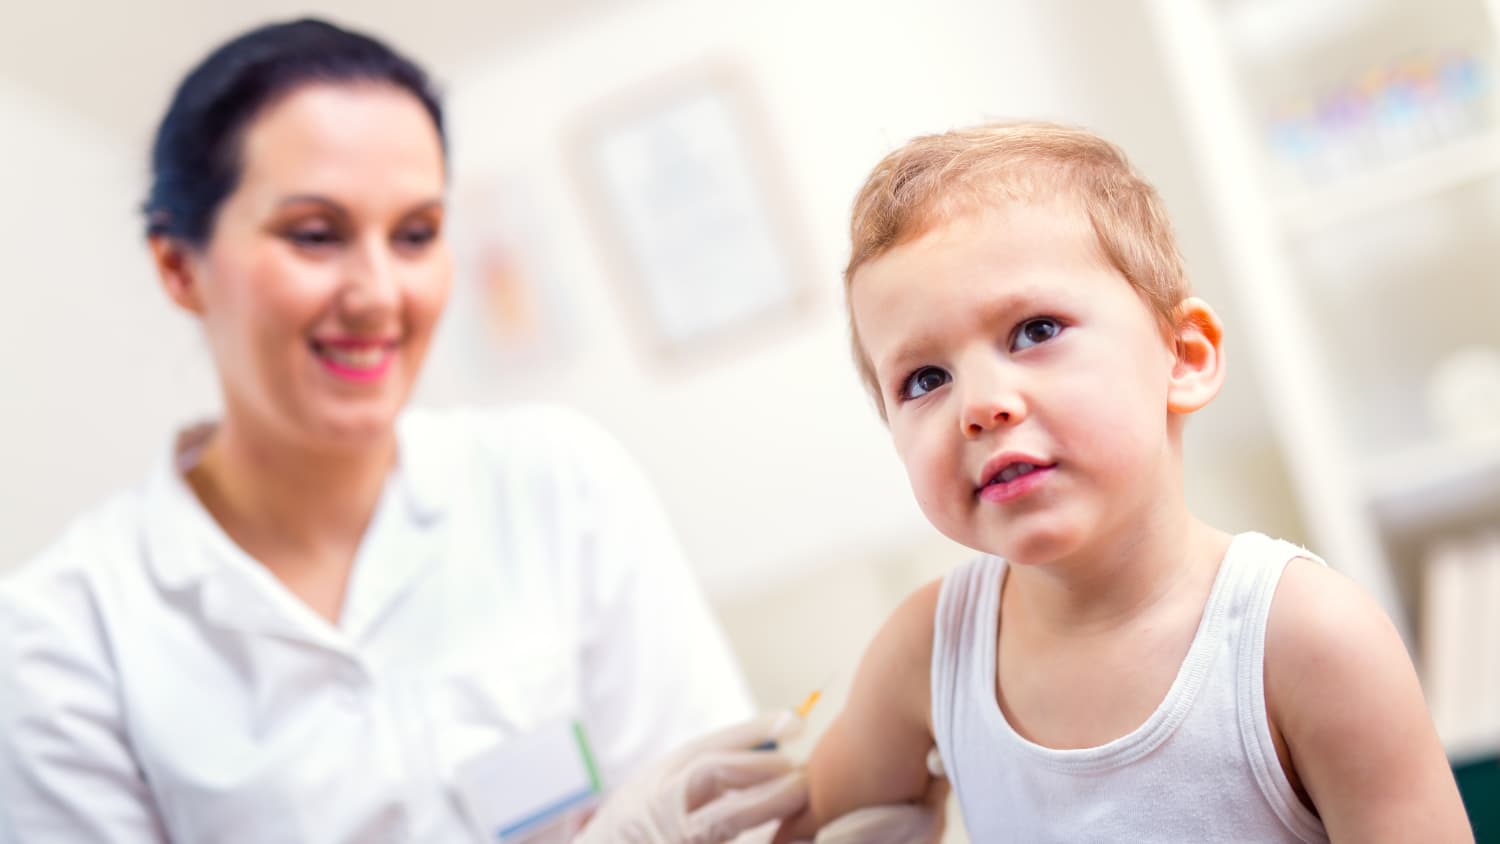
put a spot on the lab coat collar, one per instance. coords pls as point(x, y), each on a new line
point(178, 524)
point(175, 521)
point(194, 560)
point(189, 552)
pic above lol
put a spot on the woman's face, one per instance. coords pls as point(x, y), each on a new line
point(326, 269)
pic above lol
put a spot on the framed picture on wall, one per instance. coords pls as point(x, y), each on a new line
point(689, 200)
point(512, 311)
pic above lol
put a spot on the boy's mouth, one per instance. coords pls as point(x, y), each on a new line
point(1013, 471)
point(1006, 469)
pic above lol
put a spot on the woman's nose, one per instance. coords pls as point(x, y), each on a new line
point(371, 286)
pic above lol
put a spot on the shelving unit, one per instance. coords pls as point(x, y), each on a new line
point(1343, 352)
point(1309, 211)
point(1432, 483)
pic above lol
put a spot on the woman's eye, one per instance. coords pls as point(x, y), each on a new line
point(1034, 332)
point(923, 381)
point(313, 237)
point(416, 236)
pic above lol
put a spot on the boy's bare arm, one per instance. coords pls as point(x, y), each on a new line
point(1343, 693)
point(874, 753)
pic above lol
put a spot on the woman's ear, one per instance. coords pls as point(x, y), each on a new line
point(177, 267)
point(1198, 372)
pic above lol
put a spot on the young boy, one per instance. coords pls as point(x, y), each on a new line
point(1112, 668)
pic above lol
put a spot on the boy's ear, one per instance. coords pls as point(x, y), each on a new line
point(1198, 371)
point(177, 267)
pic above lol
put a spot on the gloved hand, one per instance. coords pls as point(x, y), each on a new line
point(904, 824)
point(707, 792)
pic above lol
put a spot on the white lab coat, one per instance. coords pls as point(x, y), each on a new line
point(156, 683)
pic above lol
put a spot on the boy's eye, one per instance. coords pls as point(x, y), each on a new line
point(1034, 332)
point(923, 381)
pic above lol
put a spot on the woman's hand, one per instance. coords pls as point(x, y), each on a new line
point(708, 792)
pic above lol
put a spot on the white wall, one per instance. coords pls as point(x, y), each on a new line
point(95, 369)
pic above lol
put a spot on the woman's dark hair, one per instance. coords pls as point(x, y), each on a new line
point(195, 161)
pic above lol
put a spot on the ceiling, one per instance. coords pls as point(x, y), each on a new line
point(115, 64)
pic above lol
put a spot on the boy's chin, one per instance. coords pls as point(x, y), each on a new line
point(1032, 545)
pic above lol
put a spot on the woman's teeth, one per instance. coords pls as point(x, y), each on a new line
point(361, 358)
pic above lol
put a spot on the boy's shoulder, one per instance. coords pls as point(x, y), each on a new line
point(898, 661)
point(1324, 637)
point(1319, 615)
point(901, 655)
point(1341, 690)
point(912, 627)
point(912, 621)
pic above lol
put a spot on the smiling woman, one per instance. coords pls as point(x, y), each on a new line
point(320, 287)
point(326, 617)
point(317, 284)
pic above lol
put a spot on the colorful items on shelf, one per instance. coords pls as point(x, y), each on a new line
point(1387, 113)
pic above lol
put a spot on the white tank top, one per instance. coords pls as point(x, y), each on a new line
point(1201, 768)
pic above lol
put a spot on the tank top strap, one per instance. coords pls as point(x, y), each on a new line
point(1253, 566)
point(1260, 562)
point(968, 608)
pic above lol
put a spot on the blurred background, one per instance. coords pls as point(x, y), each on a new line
point(1332, 166)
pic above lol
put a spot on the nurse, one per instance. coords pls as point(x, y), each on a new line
point(326, 618)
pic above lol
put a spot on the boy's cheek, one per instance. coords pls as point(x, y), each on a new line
point(938, 493)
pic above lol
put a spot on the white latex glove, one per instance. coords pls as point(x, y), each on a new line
point(707, 792)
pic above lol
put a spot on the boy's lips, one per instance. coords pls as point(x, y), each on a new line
point(1011, 474)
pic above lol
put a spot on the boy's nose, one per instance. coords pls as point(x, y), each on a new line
point(995, 409)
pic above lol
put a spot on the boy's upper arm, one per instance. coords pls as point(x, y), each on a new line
point(1342, 691)
point(875, 751)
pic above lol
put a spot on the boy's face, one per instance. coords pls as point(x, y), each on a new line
point(1026, 382)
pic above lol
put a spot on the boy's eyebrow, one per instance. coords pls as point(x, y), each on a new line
point(998, 310)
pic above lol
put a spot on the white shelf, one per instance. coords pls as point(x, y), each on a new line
point(1464, 750)
point(1227, 146)
point(1452, 164)
point(1425, 485)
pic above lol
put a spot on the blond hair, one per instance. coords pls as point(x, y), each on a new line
point(934, 178)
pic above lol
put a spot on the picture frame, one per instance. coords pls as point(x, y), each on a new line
point(512, 310)
point(689, 200)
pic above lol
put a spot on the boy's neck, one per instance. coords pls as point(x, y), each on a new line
point(1122, 577)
